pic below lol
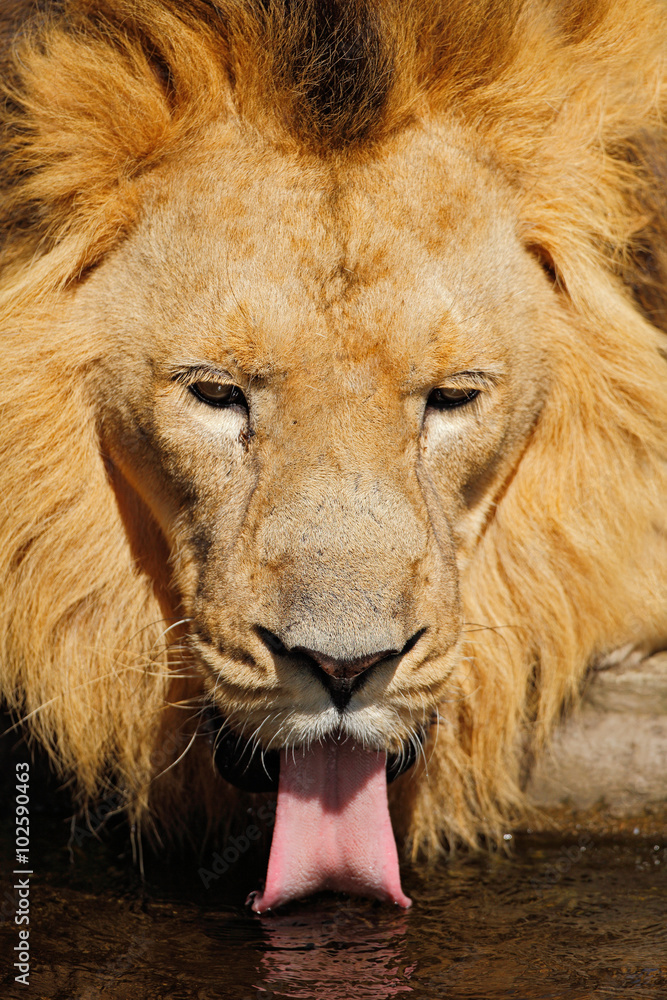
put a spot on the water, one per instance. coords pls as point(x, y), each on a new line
point(560, 920)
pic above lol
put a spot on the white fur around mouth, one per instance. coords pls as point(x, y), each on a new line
point(251, 768)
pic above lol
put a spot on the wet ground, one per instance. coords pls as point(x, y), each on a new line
point(560, 920)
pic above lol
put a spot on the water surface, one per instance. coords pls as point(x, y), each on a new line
point(563, 919)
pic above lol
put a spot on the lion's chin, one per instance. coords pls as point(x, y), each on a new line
point(333, 829)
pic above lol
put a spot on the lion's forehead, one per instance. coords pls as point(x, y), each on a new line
point(285, 265)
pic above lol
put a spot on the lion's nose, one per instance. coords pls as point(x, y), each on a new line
point(341, 677)
point(344, 670)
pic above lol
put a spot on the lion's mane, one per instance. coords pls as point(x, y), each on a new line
point(568, 101)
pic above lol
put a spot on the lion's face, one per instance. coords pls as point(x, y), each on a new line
point(323, 375)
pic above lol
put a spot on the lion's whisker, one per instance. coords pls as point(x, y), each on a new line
point(181, 621)
point(178, 759)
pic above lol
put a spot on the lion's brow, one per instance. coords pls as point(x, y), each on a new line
point(236, 371)
point(198, 371)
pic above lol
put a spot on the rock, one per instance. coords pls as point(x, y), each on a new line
point(609, 757)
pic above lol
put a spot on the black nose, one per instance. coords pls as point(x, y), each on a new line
point(345, 670)
point(341, 678)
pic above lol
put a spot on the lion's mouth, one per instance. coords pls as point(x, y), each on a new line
point(251, 769)
point(333, 829)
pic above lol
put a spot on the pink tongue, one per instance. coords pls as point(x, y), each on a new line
point(333, 829)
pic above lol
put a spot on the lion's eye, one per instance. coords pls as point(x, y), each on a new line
point(218, 393)
point(448, 399)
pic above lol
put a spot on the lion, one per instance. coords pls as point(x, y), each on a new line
point(334, 417)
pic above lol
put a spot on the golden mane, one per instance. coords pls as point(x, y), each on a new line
point(567, 100)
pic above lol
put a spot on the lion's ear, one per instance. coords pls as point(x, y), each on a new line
point(645, 268)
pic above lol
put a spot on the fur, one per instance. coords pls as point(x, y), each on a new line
point(565, 102)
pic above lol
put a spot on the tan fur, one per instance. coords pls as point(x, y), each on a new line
point(184, 183)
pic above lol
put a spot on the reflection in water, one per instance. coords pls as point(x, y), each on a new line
point(331, 951)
